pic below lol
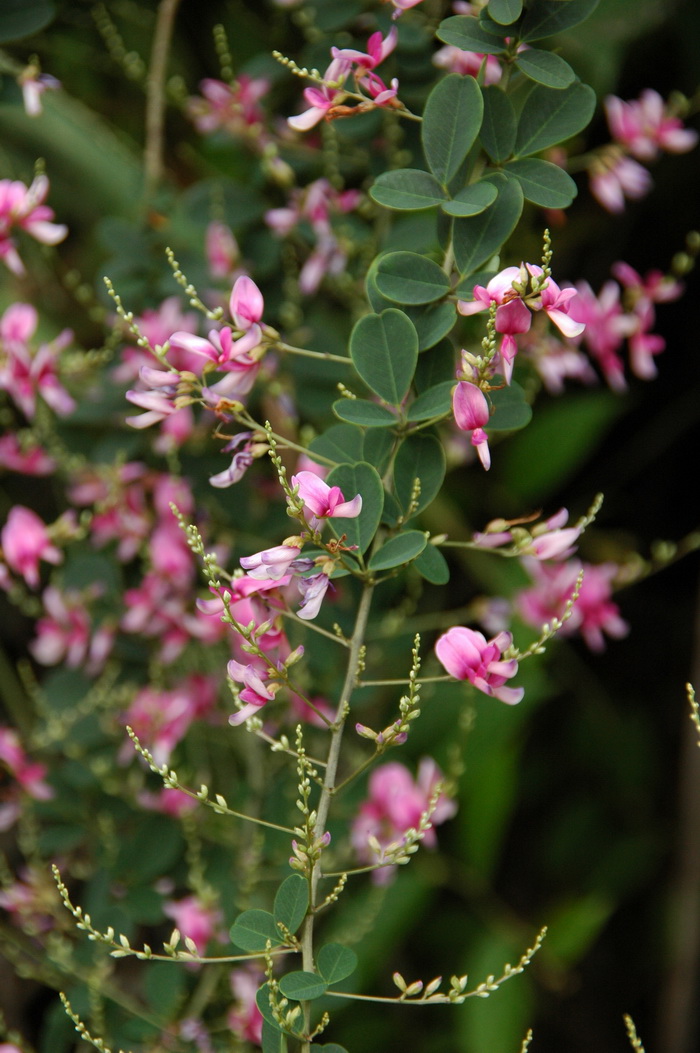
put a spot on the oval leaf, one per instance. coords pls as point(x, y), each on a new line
point(336, 962)
point(464, 31)
point(434, 402)
point(292, 902)
point(511, 411)
point(432, 322)
point(384, 351)
point(399, 550)
point(366, 414)
point(420, 457)
point(433, 566)
point(363, 479)
point(253, 928)
point(407, 277)
point(451, 122)
point(499, 125)
point(272, 1039)
point(548, 17)
point(472, 200)
point(23, 18)
point(407, 189)
point(505, 12)
point(341, 443)
point(477, 239)
point(303, 986)
point(543, 183)
point(546, 68)
point(551, 117)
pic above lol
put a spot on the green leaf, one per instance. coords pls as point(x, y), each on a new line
point(432, 322)
point(464, 31)
point(22, 18)
point(477, 238)
point(505, 12)
point(377, 448)
point(435, 366)
point(398, 550)
point(364, 413)
point(253, 928)
point(511, 411)
point(329, 1047)
point(433, 402)
point(292, 902)
point(451, 122)
point(335, 962)
point(433, 566)
point(543, 183)
point(420, 457)
point(471, 200)
point(340, 442)
point(363, 479)
point(384, 351)
point(409, 278)
point(546, 68)
point(273, 1041)
point(303, 986)
point(262, 1000)
point(547, 17)
point(407, 189)
point(499, 126)
point(550, 117)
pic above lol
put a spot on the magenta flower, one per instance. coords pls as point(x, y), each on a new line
point(25, 542)
point(195, 920)
point(377, 50)
point(25, 373)
point(468, 63)
point(23, 207)
point(467, 655)
point(646, 125)
point(322, 98)
point(245, 1019)
point(472, 414)
point(324, 501)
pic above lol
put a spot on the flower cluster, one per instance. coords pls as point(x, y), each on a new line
point(22, 208)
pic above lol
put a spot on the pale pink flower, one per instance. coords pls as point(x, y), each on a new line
point(24, 458)
point(242, 459)
point(467, 655)
point(468, 63)
point(272, 564)
point(33, 85)
point(255, 693)
point(550, 539)
point(196, 920)
point(313, 590)
point(221, 249)
point(395, 805)
point(25, 542)
point(168, 800)
point(25, 373)
point(472, 413)
point(157, 324)
point(64, 632)
point(614, 177)
point(403, 5)
point(162, 718)
point(324, 501)
point(234, 108)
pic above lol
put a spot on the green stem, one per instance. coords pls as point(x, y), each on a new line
point(155, 98)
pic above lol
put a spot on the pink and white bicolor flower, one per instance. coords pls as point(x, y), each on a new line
point(466, 655)
point(256, 692)
point(472, 413)
point(324, 501)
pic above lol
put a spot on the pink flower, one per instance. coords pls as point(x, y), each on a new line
point(64, 632)
point(593, 614)
point(33, 85)
point(313, 590)
point(25, 541)
point(195, 920)
point(468, 63)
point(466, 655)
point(256, 693)
point(550, 539)
point(161, 718)
point(403, 5)
point(221, 249)
point(322, 98)
point(613, 177)
point(645, 126)
point(395, 805)
point(377, 50)
point(246, 303)
point(28, 774)
point(25, 373)
point(233, 108)
point(23, 207)
point(241, 462)
point(245, 1020)
point(472, 414)
point(324, 501)
point(24, 458)
point(272, 564)
point(607, 325)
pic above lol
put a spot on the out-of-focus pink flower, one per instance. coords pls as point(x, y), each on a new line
point(234, 108)
point(245, 1019)
point(395, 805)
point(607, 325)
point(157, 324)
point(471, 412)
point(161, 718)
point(25, 542)
point(324, 501)
point(467, 655)
point(25, 373)
point(378, 48)
point(645, 126)
point(195, 920)
point(29, 778)
point(64, 632)
point(550, 539)
point(468, 63)
point(23, 207)
point(593, 614)
point(32, 904)
point(25, 458)
point(221, 250)
point(613, 177)
point(168, 800)
point(242, 459)
point(402, 5)
point(33, 84)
